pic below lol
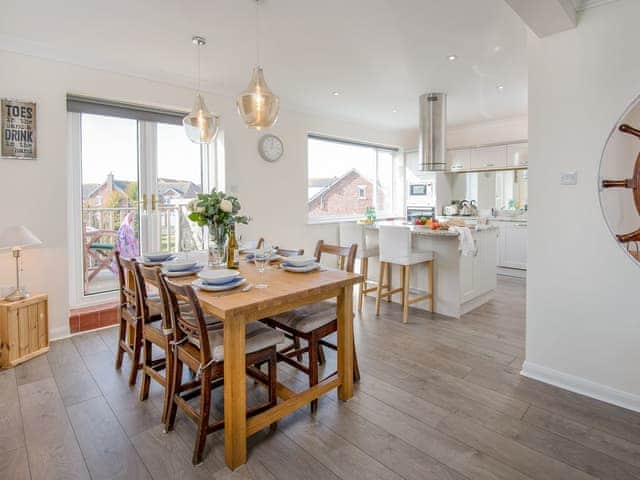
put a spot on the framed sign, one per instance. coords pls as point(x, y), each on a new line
point(18, 123)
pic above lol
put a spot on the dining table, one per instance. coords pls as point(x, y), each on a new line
point(284, 291)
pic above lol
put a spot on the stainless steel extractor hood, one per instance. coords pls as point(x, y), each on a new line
point(433, 132)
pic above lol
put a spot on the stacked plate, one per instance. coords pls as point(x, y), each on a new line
point(181, 268)
point(218, 280)
point(157, 258)
point(300, 264)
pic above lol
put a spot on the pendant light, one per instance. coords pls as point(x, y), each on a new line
point(257, 105)
point(201, 126)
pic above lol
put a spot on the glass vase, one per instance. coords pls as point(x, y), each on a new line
point(217, 245)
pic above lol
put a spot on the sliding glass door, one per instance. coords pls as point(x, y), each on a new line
point(137, 179)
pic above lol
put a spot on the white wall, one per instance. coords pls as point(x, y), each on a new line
point(34, 193)
point(583, 327)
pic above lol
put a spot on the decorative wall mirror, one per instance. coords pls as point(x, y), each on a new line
point(620, 181)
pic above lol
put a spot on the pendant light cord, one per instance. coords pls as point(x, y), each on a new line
point(199, 81)
point(258, 32)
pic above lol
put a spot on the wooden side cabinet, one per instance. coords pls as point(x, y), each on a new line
point(24, 330)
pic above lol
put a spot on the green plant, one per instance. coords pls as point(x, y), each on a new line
point(216, 208)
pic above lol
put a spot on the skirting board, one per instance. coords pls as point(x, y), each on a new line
point(581, 386)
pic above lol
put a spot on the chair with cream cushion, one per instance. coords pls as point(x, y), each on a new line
point(201, 348)
point(395, 243)
point(354, 233)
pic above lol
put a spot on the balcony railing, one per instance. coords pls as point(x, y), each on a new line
point(100, 226)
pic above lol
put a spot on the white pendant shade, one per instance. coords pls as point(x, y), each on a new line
point(257, 105)
point(201, 126)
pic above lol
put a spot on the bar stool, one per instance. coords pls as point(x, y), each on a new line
point(354, 233)
point(396, 249)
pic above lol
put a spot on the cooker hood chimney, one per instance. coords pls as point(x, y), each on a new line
point(433, 132)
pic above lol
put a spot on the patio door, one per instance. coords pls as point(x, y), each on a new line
point(137, 174)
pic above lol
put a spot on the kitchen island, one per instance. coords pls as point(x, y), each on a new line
point(462, 282)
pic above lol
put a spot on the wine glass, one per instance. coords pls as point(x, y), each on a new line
point(261, 258)
point(186, 245)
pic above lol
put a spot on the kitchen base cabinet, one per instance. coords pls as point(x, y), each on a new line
point(512, 245)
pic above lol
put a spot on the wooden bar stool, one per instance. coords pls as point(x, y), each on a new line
point(354, 233)
point(396, 249)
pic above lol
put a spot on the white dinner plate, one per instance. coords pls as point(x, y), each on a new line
point(149, 263)
point(301, 260)
point(218, 288)
point(180, 265)
point(158, 256)
point(184, 273)
point(306, 268)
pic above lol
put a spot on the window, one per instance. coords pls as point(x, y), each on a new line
point(137, 172)
point(346, 178)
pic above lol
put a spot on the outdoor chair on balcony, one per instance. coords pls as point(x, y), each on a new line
point(99, 249)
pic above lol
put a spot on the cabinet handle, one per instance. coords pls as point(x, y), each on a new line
point(488, 164)
point(521, 224)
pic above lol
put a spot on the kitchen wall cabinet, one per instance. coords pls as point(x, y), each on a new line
point(459, 160)
point(484, 158)
point(518, 155)
point(512, 245)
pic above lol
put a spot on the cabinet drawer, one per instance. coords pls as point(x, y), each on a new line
point(486, 158)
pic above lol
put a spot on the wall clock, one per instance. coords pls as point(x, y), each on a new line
point(270, 148)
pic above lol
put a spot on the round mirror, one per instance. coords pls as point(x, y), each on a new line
point(620, 182)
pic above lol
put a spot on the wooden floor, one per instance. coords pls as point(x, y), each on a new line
point(439, 398)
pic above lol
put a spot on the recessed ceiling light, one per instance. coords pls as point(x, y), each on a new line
point(452, 58)
point(335, 94)
point(395, 110)
point(500, 88)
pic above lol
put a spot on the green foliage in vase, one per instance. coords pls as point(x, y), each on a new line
point(216, 208)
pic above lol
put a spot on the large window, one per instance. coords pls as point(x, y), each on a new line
point(137, 174)
point(345, 179)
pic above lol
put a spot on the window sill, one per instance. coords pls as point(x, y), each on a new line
point(326, 221)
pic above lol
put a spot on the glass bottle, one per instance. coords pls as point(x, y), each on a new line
point(232, 249)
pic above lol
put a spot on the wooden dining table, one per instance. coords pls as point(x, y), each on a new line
point(284, 292)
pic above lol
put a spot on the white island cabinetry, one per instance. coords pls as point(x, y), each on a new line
point(462, 282)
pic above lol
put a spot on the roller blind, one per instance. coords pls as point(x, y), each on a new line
point(109, 108)
point(351, 142)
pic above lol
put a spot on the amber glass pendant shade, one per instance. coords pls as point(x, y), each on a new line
point(201, 126)
point(257, 105)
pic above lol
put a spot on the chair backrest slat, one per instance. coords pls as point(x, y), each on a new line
point(154, 275)
point(127, 272)
point(188, 319)
point(346, 255)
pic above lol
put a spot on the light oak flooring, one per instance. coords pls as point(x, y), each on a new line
point(439, 398)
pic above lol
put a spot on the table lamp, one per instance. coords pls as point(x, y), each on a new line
point(16, 238)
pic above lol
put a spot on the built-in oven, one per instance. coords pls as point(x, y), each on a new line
point(415, 213)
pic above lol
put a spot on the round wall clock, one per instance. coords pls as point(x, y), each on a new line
point(270, 148)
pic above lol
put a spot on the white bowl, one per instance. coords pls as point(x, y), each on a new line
point(216, 277)
point(299, 260)
point(179, 265)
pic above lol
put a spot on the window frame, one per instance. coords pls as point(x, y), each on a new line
point(398, 179)
point(212, 166)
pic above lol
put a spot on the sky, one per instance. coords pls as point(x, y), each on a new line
point(109, 144)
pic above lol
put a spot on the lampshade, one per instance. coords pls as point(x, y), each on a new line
point(257, 105)
point(18, 236)
point(200, 125)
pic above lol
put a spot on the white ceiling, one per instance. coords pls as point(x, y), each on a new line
point(379, 54)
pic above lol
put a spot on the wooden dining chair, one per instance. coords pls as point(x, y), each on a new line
point(313, 323)
point(131, 311)
point(201, 349)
